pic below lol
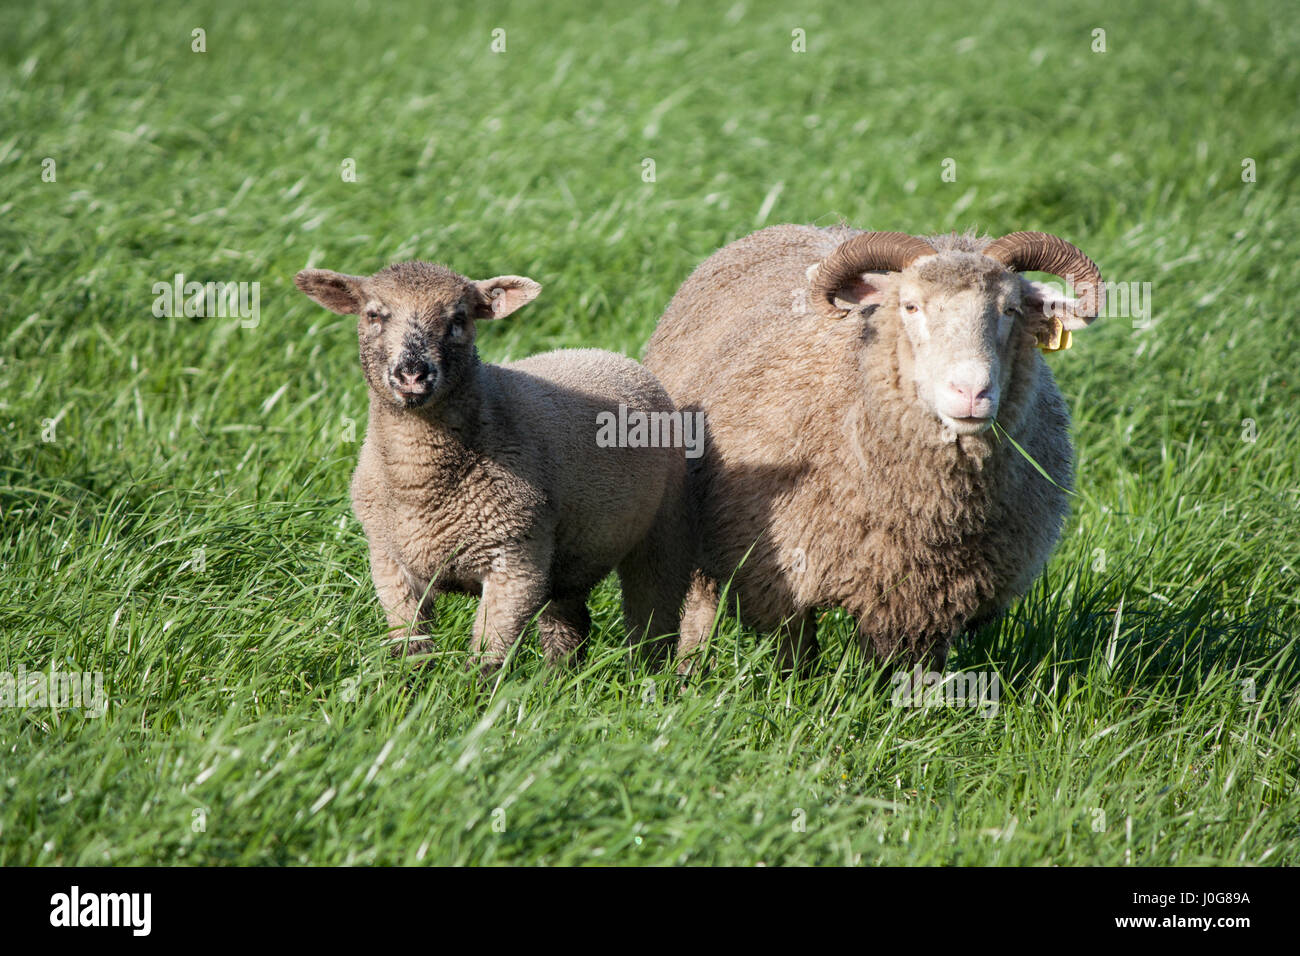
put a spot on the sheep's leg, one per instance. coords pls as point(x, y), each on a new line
point(932, 654)
point(564, 624)
point(409, 614)
point(508, 603)
point(928, 652)
point(797, 646)
point(990, 614)
point(697, 621)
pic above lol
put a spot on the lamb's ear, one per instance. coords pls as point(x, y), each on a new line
point(505, 294)
point(859, 290)
point(337, 292)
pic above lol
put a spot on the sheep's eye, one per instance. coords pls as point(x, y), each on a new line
point(374, 316)
point(1011, 312)
point(910, 308)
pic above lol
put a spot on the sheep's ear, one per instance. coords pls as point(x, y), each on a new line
point(505, 294)
point(337, 292)
point(1045, 301)
point(857, 291)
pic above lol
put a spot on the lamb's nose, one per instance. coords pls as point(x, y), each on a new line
point(412, 374)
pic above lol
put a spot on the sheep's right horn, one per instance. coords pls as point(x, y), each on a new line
point(868, 252)
point(1043, 252)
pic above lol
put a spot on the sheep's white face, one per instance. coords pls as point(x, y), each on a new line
point(964, 316)
point(961, 331)
point(968, 322)
point(416, 325)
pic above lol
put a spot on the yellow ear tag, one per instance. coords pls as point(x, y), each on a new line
point(1058, 341)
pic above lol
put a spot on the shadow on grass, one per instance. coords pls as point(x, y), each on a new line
point(1113, 629)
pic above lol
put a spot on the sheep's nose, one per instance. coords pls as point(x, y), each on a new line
point(973, 393)
point(975, 397)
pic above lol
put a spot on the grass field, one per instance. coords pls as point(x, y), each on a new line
point(173, 491)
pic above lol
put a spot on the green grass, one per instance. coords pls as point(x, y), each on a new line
point(187, 531)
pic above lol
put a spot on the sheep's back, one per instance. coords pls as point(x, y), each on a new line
point(738, 305)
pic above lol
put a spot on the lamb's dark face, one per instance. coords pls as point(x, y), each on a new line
point(416, 324)
point(417, 337)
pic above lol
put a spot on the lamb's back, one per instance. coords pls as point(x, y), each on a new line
point(605, 498)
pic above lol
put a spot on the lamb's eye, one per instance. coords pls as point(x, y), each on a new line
point(910, 308)
point(374, 316)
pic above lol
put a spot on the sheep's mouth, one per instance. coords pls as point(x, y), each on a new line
point(972, 425)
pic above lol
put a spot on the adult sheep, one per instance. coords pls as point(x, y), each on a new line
point(850, 383)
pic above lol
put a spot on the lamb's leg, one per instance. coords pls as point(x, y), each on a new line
point(797, 646)
point(408, 615)
point(509, 602)
point(564, 624)
point(697, 620)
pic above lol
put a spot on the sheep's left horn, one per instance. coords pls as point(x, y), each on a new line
point(1043, 252)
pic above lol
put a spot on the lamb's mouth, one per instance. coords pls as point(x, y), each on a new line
point(412, 397)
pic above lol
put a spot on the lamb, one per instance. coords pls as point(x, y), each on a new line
point(850, 383)
point(489, 480)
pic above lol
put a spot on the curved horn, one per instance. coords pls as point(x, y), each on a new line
point(867, 252)
point(1043, 252)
